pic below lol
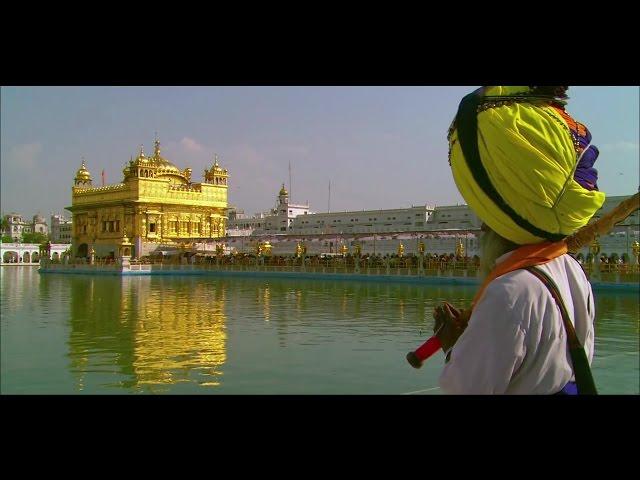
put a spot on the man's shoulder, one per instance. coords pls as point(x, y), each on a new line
point(521, 285)
point(516, 279)
point(509, 300)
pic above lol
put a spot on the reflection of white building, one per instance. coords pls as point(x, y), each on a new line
point(16, 225)
point(61, 229)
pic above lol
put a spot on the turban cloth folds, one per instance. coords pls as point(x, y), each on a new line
point(523, 179)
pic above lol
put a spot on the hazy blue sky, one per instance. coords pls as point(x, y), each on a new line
point(381, 147)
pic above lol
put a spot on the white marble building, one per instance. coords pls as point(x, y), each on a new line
point(61, 229)
point(279, 220)
point(442, 229)
point(16, 225)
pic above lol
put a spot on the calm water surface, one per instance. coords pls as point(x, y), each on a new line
point(64, 334)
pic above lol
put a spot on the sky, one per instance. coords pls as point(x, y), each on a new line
point(380, 147)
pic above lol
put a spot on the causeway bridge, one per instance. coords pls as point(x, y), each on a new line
point(29, 253)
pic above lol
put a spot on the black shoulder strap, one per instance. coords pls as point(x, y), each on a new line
point(581, 368)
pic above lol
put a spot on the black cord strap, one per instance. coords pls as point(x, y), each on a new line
point(581, 368)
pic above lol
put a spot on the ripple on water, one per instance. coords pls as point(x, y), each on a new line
point(154, 335)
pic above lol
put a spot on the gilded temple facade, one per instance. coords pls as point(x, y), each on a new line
point(156, 206)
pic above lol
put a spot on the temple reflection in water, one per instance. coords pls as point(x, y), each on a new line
point(148, 336)
point(187, 335)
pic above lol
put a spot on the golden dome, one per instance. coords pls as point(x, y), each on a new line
point(216, 171)
point(216, 166)
point(164, 165)
point(141, 158)
point(158, 166)
point(82, 173)
point(283, 191)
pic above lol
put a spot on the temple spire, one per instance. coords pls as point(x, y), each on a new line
point(156, 151)
point(83, 177)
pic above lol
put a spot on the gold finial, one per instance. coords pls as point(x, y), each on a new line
point(83, 175)
point(283, 191)
point(142, 151)
point(215, 157)
point(156, 152)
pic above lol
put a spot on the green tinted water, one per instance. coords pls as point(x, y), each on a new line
point(188, 335)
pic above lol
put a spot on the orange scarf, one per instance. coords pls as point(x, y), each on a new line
point(525, 256)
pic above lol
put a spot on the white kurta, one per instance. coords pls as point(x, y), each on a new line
point(515, 342)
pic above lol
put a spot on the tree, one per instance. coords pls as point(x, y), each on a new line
point(34, 237)
point(4, 225)
point(7, 239)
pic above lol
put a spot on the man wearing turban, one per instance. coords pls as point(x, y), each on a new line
point(525, 167)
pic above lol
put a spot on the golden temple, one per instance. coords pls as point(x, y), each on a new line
point(156, 205)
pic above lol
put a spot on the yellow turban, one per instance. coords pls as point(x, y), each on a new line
point(519, 176)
